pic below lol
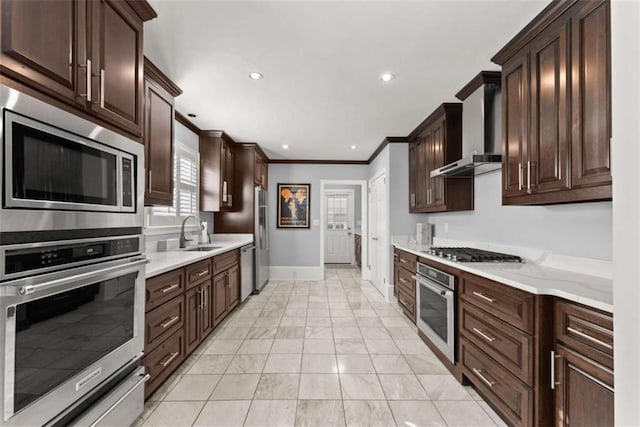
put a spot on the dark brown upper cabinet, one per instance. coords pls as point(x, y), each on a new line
point(436, 142)
point(556, 107)
point(87, 54)
point(158, 131)
point(251, 171)
point(217, 169)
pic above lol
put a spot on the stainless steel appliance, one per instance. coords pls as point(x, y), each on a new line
point(61, 172)
point(261, 238)
point(436, 308)
point(67, 331)
point(246, 273)
point(472, 255)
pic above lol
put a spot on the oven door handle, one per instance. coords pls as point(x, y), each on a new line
point(437, 289)
point(93, 275)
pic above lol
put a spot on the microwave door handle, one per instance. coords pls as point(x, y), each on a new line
point(104, 274)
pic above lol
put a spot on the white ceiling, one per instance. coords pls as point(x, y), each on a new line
point(322, 62)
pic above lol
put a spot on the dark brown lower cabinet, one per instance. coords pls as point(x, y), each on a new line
point(176, 326)
point(199, 318)
point(584, 390)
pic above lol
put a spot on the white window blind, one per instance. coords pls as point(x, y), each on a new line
point(185, 189)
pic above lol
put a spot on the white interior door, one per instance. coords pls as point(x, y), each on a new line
point(339, 232)
point(377, 232)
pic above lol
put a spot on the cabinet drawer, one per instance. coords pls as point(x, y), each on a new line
point(406, 282)
point(408, 304)
point(163, 321)
point(509, 346)
point(160, 289)
point(586, 330)
point(407, 260)
point(511, 305)
point(512, 398)
point(225, 260)
point(162, 361)
point(198, 273)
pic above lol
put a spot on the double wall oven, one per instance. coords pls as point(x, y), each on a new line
point(71, 268)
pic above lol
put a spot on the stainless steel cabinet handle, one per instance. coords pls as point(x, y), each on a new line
point(170, 359)
point(484, 297)
point(204, 299)
point(483, 335)
point(553, 369)
point(519, 176)
point(102, 77)
point(484, 379)
point(87, 67)
point(202, 273)
point(169, 288)
point(529, 175)
point(402, 280)
point(589, 337)
point(170, 322)
point(404, 261)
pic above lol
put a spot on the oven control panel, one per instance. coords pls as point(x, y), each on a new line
point(30, 259)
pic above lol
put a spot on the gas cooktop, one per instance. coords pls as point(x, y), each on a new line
point(472, 255)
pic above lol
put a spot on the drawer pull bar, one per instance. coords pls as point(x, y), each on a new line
point(202, 273)
point(483, 335)
point(402, 280)
point(484, 297)
point(484, 379)
point(404, 261)
point(170, 359)
point(589, 337)
point(169, 288)
point(170, 322)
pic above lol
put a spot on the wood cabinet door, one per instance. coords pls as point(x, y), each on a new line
point(515, 124)
point(424, 168)
point(233, 290)
point(591, 94)
point(44, 44)
point(117, 61)
point(547, 168)
point(413, 176)
point(158, 141)
point(219, 303)
point(437, 197)
point(583, 389)
point(193, 302)
point(206, 313)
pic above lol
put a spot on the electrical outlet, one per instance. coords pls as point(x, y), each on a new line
point(446, 227)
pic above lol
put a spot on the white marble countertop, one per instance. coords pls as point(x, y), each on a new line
point(161, 262)
point(535, 277)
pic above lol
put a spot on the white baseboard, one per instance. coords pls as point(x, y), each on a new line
point(296, 273)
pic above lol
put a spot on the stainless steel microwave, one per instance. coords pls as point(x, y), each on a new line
point(62, 172)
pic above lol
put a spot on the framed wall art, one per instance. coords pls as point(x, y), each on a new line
point(293, 205)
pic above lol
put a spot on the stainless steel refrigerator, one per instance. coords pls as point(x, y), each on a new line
point(261, 238)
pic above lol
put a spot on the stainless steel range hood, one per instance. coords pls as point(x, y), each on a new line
point(481, 133)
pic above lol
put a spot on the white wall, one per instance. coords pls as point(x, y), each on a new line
point(625, 67)
point(582, 229)
point(301, 247)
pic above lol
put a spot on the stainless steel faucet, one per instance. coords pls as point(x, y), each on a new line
point(183, 238)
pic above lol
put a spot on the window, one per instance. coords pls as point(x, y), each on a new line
point(337, 212)
point(185, 189)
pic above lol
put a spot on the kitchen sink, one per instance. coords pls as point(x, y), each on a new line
point(203, 249)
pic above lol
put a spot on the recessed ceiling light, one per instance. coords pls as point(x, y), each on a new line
point(387, 77)
point(353, 147)
point(285, 146)
point(192, 115)
point(255, 76)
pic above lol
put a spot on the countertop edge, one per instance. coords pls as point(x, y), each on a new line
point(197, 256)
point(594, 303)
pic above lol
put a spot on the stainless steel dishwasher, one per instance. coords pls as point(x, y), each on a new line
point(246, 266)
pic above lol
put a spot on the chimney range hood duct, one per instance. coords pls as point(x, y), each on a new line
point(481, 132)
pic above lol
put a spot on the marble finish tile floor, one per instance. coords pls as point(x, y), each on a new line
point(315, 353)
